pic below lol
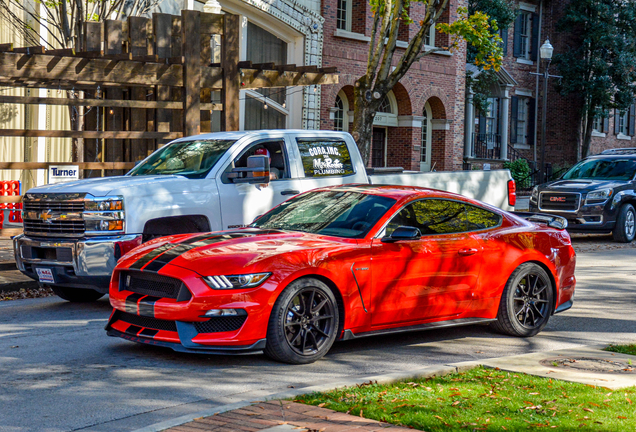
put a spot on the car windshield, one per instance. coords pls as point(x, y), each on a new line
point(192, 159)
point(603, 169)
point(334, 213)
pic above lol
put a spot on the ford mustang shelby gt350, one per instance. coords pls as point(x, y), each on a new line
point(341, 263)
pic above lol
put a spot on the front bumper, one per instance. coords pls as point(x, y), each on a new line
point(594, 219)
point(76, 263)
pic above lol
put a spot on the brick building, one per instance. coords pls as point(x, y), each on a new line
point(420, 124)
point(512, 127)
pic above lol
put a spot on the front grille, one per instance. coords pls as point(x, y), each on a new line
point(220, 324)
point(560, 201)
point(73, 228)
point(61, 228)
point(153, 285)
point(54, 206)
point(146, 322)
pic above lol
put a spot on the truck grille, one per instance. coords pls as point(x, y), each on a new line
point(54, 205)
point(73, 228)
point(560, 201)
point(154, 285)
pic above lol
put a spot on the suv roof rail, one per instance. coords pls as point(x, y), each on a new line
point(619, 151)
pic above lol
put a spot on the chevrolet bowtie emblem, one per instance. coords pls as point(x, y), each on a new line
point(46, 216)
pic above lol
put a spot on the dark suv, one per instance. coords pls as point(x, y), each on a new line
point(597, 195)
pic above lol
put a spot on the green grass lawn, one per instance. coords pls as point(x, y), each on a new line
point(623, 349)
point(487, 399)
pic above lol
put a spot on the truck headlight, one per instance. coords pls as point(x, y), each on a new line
point(104, 215)
point(535, 194)
point(599, 196)
point(236, 281)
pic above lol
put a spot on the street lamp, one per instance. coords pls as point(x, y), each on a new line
point(545, 52)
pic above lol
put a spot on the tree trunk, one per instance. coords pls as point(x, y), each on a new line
point(363, 114)
point(587, 134)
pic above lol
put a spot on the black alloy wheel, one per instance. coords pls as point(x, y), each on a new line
point(303, 324)
point(526, 303)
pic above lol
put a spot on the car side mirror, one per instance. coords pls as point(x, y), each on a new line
point(257, 171)
point(403, 233)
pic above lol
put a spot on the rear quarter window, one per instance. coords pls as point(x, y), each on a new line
point(324, 158)
point(478, 218)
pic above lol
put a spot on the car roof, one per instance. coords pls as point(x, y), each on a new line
point(617, 152)
point(235, 135)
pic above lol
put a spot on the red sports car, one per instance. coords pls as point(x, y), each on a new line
point(342, 263)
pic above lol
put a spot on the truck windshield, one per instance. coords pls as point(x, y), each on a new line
point(192, 159)
point(603, 169)
point(333, 213)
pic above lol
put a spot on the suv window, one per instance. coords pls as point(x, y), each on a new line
point(603, 169)
point(323, 158)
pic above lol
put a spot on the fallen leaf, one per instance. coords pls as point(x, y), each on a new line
point(321, 405)
point(588, 410)
point(621, 417)
point(455, 403)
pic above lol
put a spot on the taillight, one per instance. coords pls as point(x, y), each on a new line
point(512, 193)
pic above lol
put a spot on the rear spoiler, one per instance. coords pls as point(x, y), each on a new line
point(553, 221)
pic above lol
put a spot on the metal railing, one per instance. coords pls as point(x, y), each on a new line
point(486, 146)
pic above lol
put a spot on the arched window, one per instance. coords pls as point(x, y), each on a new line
point(387, 112)
point(385, 105)
point(340, 112)
point(427, 135)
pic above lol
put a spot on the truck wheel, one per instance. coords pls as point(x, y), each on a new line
point(525, 304)
point(77, 295)
point(625, 228)
point(303, 323)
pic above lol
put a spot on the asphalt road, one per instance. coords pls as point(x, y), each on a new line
point(60, 372)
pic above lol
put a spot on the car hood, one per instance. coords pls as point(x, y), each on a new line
point(108, 185)
point(229, 252)
point(581, 186)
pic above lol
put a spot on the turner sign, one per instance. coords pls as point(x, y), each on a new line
point(64, 173)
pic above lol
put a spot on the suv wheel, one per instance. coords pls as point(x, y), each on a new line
point(625, 224)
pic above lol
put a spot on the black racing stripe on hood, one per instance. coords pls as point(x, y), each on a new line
point(151, 255)
point(184, 247)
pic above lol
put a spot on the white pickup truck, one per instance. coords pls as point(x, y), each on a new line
point(75, 232)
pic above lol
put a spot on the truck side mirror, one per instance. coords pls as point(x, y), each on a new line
point(403, 233)
point(257, 171)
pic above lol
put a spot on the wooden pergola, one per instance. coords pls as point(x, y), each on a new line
point(155, 77)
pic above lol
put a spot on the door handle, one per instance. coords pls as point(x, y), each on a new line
point(468, 252)
point(289, 192)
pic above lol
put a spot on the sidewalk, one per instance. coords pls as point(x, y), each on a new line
point(588, 365)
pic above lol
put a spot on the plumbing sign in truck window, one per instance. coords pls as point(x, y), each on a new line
point(325, 158)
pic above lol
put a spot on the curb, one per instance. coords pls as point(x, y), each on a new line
point(428, 372)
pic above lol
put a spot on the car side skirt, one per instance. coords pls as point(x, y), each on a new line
point(348, 334)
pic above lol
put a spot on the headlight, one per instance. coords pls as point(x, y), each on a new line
point(535, 194)
point(236, 281)
point(599, 196)
point(104, 215)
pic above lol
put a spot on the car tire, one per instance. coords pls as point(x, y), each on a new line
point(526, 303)
point(77, 295)
point(625, 224)
point(303, 324)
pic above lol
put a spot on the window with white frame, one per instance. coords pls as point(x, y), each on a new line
point(525, 35)
point(492, 117)
point(343, 15)
point(429, 38)
point(338, 115)
point(623, 123)
point(597, 125)
point(385, 105)
point(265, 108)
point(522, 120)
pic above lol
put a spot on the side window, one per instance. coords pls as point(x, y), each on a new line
point(431, 216)
point(278, 165)
point(322, 158)
point(478, 218)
